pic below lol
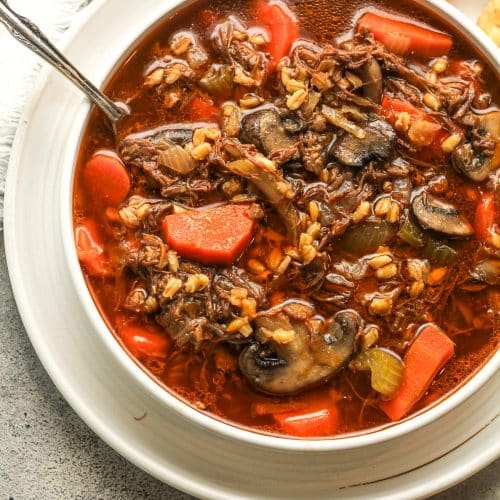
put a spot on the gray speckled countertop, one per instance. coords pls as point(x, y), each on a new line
point(47, 452)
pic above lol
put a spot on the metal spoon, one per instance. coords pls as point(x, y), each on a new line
point(30, 35)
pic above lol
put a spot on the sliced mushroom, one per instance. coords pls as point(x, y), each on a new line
point(432, 213)
point(308, 358)
point(477, 165)
point(490, 123)
point(179, 133)
point(378, 143)
point(294, 125)
point(264, 128)
point(371, 74)
point(275, 188)
point(487, 271)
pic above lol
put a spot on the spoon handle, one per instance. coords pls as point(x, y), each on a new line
point(26, 32)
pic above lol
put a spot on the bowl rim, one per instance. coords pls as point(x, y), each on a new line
point(218, 426)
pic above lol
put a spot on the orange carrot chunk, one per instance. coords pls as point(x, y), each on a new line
point(106, 179)
point(485, 216)
point(281, 26)
point(203, 110)
point(90, 249)
point(429, 352)
point(212, 236)
point(405, 38)
point(392, 107)
point(434, 132)
point(309, 423)
point(145, 342)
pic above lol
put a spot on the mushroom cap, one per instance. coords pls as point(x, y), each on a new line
point(433, 213)
point(377, 144)
point(308, 359)
point(264, 128)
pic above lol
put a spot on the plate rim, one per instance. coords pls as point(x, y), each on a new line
point(26, 315)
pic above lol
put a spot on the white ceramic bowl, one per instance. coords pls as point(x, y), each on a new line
point(175, 442)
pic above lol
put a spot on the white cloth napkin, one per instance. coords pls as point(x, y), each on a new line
point(19, 67)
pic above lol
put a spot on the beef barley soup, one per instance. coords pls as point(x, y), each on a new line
point(297, 227)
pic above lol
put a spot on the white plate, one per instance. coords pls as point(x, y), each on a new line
point(164, 443)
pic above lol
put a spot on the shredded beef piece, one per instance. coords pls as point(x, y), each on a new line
point(396, 64)
point(407, 311)
point(336, 290)
point(233, 277)
point(312, 147)
point(309, 277)
point(196, 318)
point(185, 330)
point(190, 189)
point(137, 152)
point(139, 210)
point(404, 91)
point(456, 96)
point(307, 56)
point(282, 156)
point(354, 53)
point(237, 52)
point(153, 252)
point(484, 144)
point(245, 55)
point(139, 300)
point(143, 154)
point(349, 195)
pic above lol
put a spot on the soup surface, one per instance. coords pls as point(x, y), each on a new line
point(296, 228)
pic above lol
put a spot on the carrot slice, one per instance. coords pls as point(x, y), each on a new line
point(213, 236)
point(309, 423)
point(461, 67)
point(405, 38)
point(429, 352)
point(281, 26)
point(106, 179)
point(485, 216)
point(392, 107)
point(203, 110)
point(90, 249)
point(145, 341)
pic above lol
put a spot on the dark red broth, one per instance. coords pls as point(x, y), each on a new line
point(176, 314)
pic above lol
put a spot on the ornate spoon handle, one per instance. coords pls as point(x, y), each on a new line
point(26, 32)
